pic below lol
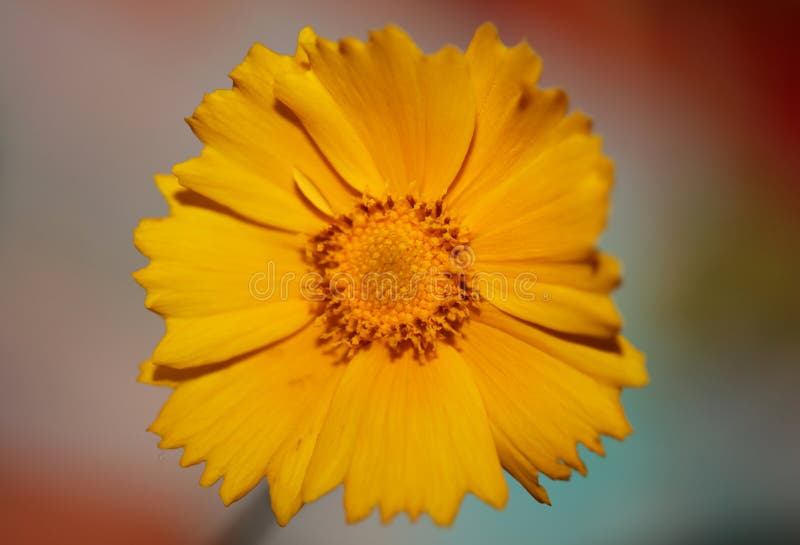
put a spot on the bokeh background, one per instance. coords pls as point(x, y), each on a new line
point(699, 105)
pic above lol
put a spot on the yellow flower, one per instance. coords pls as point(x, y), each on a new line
point(382, 272)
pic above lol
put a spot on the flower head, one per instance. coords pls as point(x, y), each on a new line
point(382, 272)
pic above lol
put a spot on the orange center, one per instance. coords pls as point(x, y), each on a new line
point(395, 272)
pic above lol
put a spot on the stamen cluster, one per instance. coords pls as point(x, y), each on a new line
point(395, 272)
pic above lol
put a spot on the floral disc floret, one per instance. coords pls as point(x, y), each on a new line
point(397, 272)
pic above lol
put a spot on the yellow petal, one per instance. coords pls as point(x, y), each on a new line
point(613, 361)
point(252, 144)
point(539, 407)
point(331, 130)
point(555, 209)
point(255, 417)
point(149, 373)
point(535, 183)
point(515, 462)
point(600, 273)
point(407, 437)
point(217, 280)
point(385, 114)
point(311, 192)
point(516, 288)
point(512, 116)
point(563, 309)
point(161, 375)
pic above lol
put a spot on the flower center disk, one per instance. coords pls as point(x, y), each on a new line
point(393, 271)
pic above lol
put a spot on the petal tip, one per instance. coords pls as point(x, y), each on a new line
point(488, 29)
point(307, 36)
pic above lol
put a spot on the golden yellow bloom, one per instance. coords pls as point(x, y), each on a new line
point(381, 272)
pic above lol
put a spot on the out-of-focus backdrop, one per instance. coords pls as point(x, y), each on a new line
point(699, 105)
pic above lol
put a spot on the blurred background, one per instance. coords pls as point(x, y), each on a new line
point(699, 105)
